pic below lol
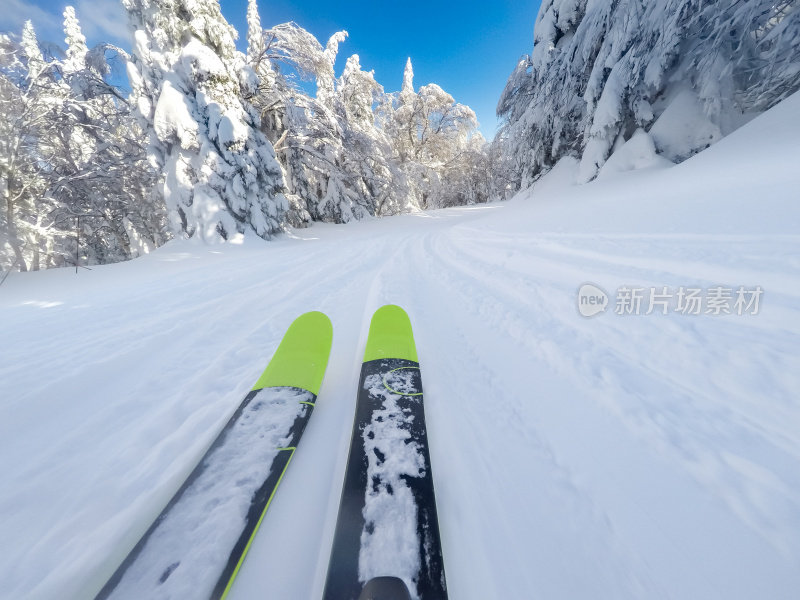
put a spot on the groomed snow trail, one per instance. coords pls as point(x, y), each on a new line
point(615, 457)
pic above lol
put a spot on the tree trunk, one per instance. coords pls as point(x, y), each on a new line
point(13, 238)
point(35, 261)
point(13, 234)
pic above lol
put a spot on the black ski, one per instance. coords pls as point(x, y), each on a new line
point(387, 529)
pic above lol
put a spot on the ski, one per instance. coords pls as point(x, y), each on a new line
point(386, 543)
point(196, 546)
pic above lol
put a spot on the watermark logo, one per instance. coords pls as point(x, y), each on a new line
point(684, 300)
point(592, 300)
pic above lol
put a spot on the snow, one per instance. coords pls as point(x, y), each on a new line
point(637, 153)
point(613, 457)
point(389, 541)
point(683, 128)
point(173, 120)
point(201, 61)
point(195, 84)
point(563, 174)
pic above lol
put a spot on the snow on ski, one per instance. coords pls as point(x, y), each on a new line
point(387, 528)
point(195, 547)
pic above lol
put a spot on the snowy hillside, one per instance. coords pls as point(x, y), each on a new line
point(622, 456)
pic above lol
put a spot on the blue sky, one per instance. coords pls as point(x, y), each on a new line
point(468, 48)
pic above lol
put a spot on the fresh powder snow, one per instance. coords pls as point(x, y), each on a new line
point(615, 457)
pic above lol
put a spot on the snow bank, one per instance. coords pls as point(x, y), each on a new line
point(639, 152)
point(683, 129)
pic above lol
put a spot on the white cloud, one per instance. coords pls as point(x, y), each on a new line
point(101, 20)
point(15, 12)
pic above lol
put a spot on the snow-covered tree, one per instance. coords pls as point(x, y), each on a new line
point(302, 130)
point(26, 88)
point(255, 35)
point(337, 201)
point(274, 103)
point(326, 76)
point(101, 181)
point(190, 85)
point(367, 151)
point(407, 90)
point(331, 163)
point(76, 42)
point(430, 133)
point(601, 70)
point(352, 150)
point(72, 167)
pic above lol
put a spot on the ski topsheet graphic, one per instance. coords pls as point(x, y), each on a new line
point(387, 528)
point(195, 547)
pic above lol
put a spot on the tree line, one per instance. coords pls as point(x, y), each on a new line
point(215, 143)
point(211, 142)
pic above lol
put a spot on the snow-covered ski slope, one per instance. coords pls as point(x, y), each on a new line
point(651, 456)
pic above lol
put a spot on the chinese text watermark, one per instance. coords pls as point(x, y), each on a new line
point(685, 300)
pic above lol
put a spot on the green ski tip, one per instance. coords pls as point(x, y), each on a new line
point(302, 356)
point(390, 335)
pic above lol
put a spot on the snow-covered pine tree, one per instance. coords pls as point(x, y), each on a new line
point(31, 52)
point(601, 70)
point(190, 85)
point(255, 35)
point(402, 122)
point(76, 42)
point(407, 90)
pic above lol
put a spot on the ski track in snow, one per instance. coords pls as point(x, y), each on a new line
point(574, 458)
point(616, 457)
